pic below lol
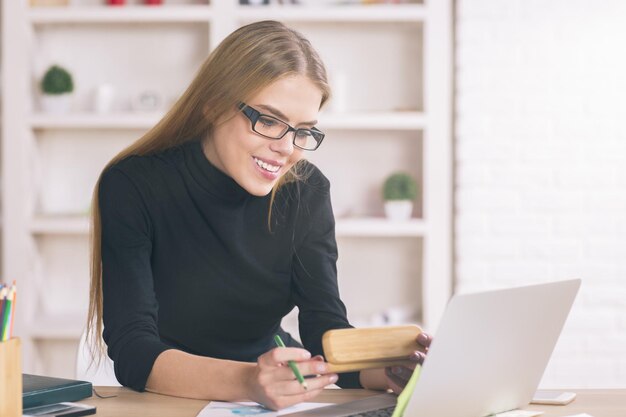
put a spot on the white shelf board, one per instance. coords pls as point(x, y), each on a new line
point(138, 120)
point(66, 326)
point(345, 227)
point(379, 227)
point(60, 225)
point(373, 120)
point(336, 13)
point(124, 14)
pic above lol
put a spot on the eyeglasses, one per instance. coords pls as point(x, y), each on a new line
point(273, 128)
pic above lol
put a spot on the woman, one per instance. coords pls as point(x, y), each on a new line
point(211, 227)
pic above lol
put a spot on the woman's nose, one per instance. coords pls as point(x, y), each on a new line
point(284, 145)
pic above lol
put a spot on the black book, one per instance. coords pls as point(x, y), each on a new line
point(42, 390)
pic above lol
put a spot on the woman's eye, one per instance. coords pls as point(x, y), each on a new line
point(303, 134)
point(267, 122)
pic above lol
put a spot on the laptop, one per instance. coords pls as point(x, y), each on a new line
point(488, 355)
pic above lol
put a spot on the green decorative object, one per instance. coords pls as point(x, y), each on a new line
point(399, 186)
point(56, 81)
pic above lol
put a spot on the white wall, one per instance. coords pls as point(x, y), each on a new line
point(541, 166)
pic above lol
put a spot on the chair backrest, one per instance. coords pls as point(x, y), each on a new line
point(99, 375)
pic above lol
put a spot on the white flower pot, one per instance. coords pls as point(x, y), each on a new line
point(56, 103)
point(398, 209)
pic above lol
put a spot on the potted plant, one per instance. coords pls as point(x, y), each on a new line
point(399, 192)
point(56, 86)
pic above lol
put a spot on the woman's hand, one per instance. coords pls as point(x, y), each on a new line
point(274, 385)
point(398, 376)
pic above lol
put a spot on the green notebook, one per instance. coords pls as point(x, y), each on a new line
point(42, 390)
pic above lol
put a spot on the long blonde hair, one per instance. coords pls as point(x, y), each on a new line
point(249, 59)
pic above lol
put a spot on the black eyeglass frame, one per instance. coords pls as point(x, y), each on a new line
point(253, 115)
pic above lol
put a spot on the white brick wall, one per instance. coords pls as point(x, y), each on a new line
point(541, 166)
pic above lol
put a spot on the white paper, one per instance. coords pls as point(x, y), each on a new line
point(580, 415)
point(248, 408)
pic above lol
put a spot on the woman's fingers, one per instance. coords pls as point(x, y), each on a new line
point(313, 367)
point(418, 357)
point(280, 357)
point(394, 382)
point(398, 377)
point(286, 394)
point(277, 384)
point(307, 368)
point(277, 356)
point(284, 401)
point(401, 373)
point(293, 387)
point(424, 339)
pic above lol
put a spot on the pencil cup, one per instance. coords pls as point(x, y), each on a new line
point(10, 378)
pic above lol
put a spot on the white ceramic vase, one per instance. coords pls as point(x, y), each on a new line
point(56, 103)
point(104, 96)
point(398, 210)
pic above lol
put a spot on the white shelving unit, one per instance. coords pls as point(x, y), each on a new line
point(133, 14)
point(379, 227)
point(340, 14)
point(395, 63)
point(60, 225)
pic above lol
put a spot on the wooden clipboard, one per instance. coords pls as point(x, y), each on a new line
point(348, 350)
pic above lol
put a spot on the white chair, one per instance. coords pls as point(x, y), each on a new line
point(99, 375)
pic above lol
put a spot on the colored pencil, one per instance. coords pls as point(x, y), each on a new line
point(3, 311)
point(7, 316)
point(7, 310)
point(13, 309)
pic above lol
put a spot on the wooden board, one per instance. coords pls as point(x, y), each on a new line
point(375, 344)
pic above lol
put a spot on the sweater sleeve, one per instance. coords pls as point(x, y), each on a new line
point(129, 303)
point(315, 275)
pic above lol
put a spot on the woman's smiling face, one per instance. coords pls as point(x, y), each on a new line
point(253, 161)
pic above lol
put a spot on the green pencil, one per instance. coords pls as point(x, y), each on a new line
point(292, 364)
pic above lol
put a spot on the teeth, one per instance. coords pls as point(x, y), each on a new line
point(266, 166)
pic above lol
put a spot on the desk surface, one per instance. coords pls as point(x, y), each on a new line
point(128, 403)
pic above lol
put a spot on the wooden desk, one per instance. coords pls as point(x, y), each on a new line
point(128, 403)
point(595, 402)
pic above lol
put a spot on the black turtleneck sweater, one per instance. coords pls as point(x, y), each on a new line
point(190, 263)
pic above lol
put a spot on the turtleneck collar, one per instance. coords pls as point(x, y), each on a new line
point(214, 181)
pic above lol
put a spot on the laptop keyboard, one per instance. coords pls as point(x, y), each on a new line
point(383, 412)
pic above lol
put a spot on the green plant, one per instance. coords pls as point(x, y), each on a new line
point(57, 80)
point(399, 186)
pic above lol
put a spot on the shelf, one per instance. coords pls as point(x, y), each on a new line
point(60, 225)
point(351, 227)
point(125, 14)
point(373, 120)
point(66, 326)
point(337, 13)
point(379, 227)
point(129, 120)
point(340, 121)
point(413, 106)
point(203, 14)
